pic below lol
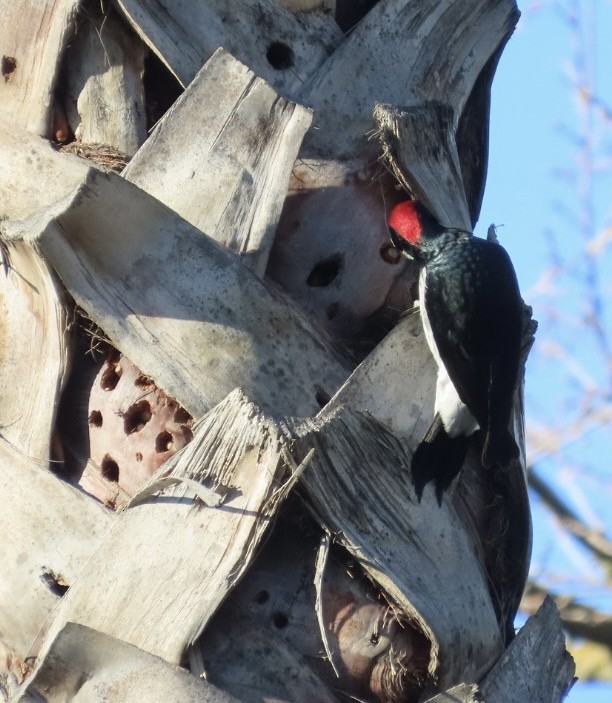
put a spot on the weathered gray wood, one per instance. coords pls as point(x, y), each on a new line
point(277, 45)
point(85, 666)
point(419, 146)
point(334, 219)
point(222, 155)
point(273, 608)
point(462, 693)
point(183, 309)
point(399, 53)
point(308, 5)
point(396, 383)
point(34, 352)
point(32, 38)
point(418, 553)
point(33, 175)
point(255, 664)
point(103, 91)
point(108, 492)
point(193, 541)
point(536, 666)
point(332, 242)
point(49, 530)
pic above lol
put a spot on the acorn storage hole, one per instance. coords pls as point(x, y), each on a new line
point(110, 468)
point(280, 620)
point(54, 582)
point(95, 418)
point(136, 417)
point(181, 416)
point(280, 56)
point(262, 597)
point(110, 377)
point(321, 396)
point(164, 442)
point(8, 66)
point(325, 272)
point(143, 381)
point(332, 310)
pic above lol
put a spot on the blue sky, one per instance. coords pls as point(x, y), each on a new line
point(542, 136)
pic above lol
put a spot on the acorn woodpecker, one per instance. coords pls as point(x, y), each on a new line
point(471, 310)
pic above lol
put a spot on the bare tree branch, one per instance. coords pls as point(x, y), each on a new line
point(594, 540)
point(579, 620)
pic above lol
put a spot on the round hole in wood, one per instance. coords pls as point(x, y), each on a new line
point(262, 597)
point(95, 418)
point(280, 620)
point(280, 56)
point(136, 417)
point(325, 272)
point(110, 468)
point(164, 442)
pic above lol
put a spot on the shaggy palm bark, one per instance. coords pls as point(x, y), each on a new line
point(239, 278)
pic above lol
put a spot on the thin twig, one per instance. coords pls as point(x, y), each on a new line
point(322, 554)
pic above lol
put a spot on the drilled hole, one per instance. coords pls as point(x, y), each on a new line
point(110, 469)
point(164, 442)
point(138, 456)
point(8, 65)
point(332, 310)
point(54, 582)
point(110, 378)
point(280, 620)
point(95, 418)
point(325, 272)
point(143, 381)
point(321, 396)
point(113, 355)
point(280, 56)
point(182, 417)
point(262, 597)
point(136, 417)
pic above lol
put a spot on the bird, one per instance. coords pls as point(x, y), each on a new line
point(472, 315)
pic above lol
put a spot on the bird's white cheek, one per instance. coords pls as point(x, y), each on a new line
point(455, 416)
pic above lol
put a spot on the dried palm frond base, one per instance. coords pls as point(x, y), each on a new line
point(101, 154)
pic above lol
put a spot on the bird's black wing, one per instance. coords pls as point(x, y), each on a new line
point(475, 312)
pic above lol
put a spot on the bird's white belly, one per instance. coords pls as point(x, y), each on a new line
point(454, 414)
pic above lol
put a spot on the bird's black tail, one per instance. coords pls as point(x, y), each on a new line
point(438, 458)
point(499, 450)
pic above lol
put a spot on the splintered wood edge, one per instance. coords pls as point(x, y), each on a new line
point(232, 118)
point(81, 234)
point(236, 460)
point(462, 693)
point(84, 658)
point(32, 297)
point(320, 563)
point(418, 145)
point(536, 666)
point(401, 593)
